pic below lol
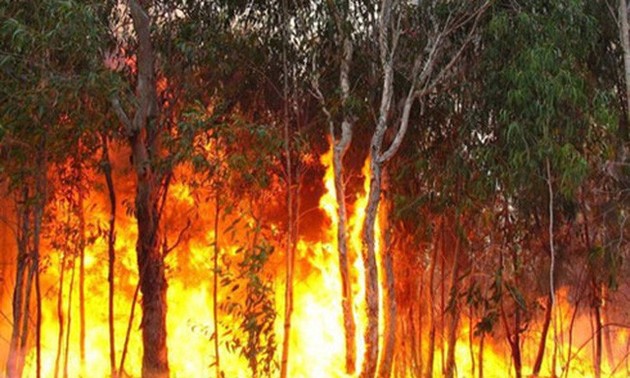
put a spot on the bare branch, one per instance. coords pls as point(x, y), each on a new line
point(442, 74)
point(317, 93)
point(122, 116)
point(422, 78)
point(179, 239)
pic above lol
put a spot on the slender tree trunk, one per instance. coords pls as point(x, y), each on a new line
point(452, 331)
point(111, 261)
point(431, 348)
point(38, 319)
point(123, 355)
point(442, 298)
point(24, 335)
point(69, 321)
point(471, 339)
point(60, 313)
point(515, 345)
point(41, 188)
point(552, 254)
point(570, 342)
point(371, 269)
point(417, 353)
point(82, 332)
point(597, 358)
point(215, 288)
point(290, 250)
point(15, 359)
point(481, 344)
point(610, 356)
point(340, 147)
point(543, 339)
point(389, 304)
point(624, 36)
point(344, 263)
point(374, 196)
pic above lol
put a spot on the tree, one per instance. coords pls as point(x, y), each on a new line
point(426, 72)
point(47, 64)
point(340, 16)
point(143, 133)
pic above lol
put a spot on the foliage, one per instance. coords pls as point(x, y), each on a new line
point(51, 79)
point(250, 304)
point(538, 94)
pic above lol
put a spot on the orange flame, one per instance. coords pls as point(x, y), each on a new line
point(317, 346)
point(317, 338)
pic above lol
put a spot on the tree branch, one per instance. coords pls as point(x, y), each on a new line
point(122, 116)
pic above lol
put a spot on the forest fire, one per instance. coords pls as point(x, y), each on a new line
point(317, 339)
point(345, 189)
point(316, 342)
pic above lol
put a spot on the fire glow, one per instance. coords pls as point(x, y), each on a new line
point(317, 341)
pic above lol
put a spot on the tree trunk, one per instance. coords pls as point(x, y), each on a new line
point(481, 344)
point(290, 249)
point(15, 360)
point(40, 203)
point(60, 313)
point(340, 147)
point(605, 309)
point(597, 358)
point(431, 348)
point(144, 141)
point(624, 36)
point(152, 285)
point(543, 339)
point(417, 356)
point(371, 269)
point(452, 331)
point(389, 304)
point(111, 259)
point(123, 354)
point(69, 312)
point(215, 287)
point(515, 345)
